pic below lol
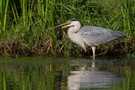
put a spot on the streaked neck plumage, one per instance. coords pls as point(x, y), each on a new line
point(73, 29)
point(72, 33)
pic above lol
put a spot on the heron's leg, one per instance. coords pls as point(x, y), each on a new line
point(93, 66)
point(93, 51)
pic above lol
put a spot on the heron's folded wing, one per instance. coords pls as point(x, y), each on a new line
point(97, 37)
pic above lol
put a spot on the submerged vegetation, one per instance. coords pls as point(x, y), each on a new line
point(27, 26)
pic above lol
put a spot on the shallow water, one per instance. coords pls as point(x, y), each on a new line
point(38, 73)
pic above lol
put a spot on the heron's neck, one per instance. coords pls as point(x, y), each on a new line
point(72, 33)
point(75, 37)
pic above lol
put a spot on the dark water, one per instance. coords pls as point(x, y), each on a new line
point(38, 73)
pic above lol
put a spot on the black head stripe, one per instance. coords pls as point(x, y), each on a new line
point(73, 19)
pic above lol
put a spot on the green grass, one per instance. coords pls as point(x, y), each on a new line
point(32, 22)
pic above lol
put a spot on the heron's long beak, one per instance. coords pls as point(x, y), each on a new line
point(64, 25)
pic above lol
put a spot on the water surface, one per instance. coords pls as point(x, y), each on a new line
point(41, 73)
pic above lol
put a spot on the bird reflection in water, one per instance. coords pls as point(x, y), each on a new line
point(91, 77)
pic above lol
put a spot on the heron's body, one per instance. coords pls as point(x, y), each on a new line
point(91, 35)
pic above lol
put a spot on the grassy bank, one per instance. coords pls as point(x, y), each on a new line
point(27, 26)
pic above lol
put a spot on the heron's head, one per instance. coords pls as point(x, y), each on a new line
point(70, 23)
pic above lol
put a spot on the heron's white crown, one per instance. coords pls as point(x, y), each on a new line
point(74, 24)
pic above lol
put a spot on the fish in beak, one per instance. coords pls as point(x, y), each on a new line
point(58, 33)
point(58, 30)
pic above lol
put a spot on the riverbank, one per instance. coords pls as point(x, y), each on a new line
point(64, 47)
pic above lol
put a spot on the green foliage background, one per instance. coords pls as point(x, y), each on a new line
point(27, 26)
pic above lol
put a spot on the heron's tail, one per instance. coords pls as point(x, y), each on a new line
point(120, 34)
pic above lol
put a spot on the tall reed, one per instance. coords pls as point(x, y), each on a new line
point(3, 16)
point(128, 11)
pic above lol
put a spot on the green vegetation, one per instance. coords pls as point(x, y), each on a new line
point(27, 26)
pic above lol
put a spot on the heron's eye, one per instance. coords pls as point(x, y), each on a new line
point(72, 26)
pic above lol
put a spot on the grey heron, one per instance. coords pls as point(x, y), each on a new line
point(90, 35)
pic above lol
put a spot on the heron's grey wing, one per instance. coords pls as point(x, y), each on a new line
point(95, 36)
